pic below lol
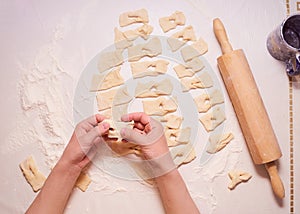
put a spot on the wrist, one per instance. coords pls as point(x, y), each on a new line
point(68, 168)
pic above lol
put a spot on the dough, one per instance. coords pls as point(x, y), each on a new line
point(213, 119)
point(109, 60)
point(148, 68)
point(205, 101)
point(153, 89)
point(151, 48)
point(170, 22)
point(176, 137)
point(183, 154)
point(83, 182)
point(238, 177)
point(106, 81)
point(144, 31)
point(160, 106)
point(198, 48)
point(189, 69)
point(177, 40)
point(202, 81)
point(218, 142)
point(172, 121)
point(31, 173)
point(121, 42)
point(122, 97)
point(138, 16)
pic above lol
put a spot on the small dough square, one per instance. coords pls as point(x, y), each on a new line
point(106, 81)
point(109, 60)
point(137, 16)
point(213, 119)
point(160, 106)
point(202, 81)
point(83, 182)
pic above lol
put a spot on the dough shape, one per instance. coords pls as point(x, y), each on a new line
point(160, 106)
point(149, 68)
point(122, 97)
point(183, 154)
point(170, 22)
point(138, 16)
point(151, 48)
point(144, 31)
point(153, 89)
point(106, 81)
point(177, 40)
point(205, 101)
point(123, 148)
point(121, 42)
point(83, 182)
point(202, 81)
point(172, 121)
point(31, 173)
point(198, 48)
point(109, 60)
point(218, 141)
point(176, 137)
point(213, 119)
point(189, 69)
point(237, 177)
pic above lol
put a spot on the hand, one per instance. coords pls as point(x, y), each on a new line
point(149, 135)
point(87, 134)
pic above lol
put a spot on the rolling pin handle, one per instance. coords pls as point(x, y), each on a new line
point(221, 36)
point(276, 182)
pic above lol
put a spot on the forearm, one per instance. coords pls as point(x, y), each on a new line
point(174, 194)
point(56, 191)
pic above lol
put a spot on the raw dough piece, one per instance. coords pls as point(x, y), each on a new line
point(111, 59)
point(238, 177)
point(148, 68)
point(190, 68)
point(171, 22)
point(183, 154)
point(143, 31)
point(218, 142)
point(160, 106)
point(150, 49)
point(176, 137)
point(138, 16)
point(213, 119)
point(202, 81)
point(31, 173)
point(205, 101)
point(172, 121)
point(106, 81)
point(122, 148)
point(178, 39)
point(122, 97)
point(153, 89)
point(83, 182)
point(198, 48)
point(121, 42)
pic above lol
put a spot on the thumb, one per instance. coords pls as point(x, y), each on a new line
point(133, 136)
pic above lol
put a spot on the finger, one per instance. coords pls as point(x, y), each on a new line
point(132, 135)
point(139, 126)
point(137, 117)
point(100, 117)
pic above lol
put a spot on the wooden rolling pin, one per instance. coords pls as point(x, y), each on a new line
point(249, 107)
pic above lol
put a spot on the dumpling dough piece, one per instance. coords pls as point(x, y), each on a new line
point(202, 81)
point(183, 154)
point(237, 177)
point(106, 81)
point(178, 39)
point(205, 101)
point(83, 182)
point(31, 173)
point(170, 22)
point(144, 31)
point(172, 121)
point(121, 42)
point(218, 141)
point(106, 100)
point(198, 48)
point(176, 137)
point(189, 69)
point(109, 60)
point(213, 119)
point(138, 16)
point(153, 89)
point(149, 68)
point(160, 106)
point(150, 49)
